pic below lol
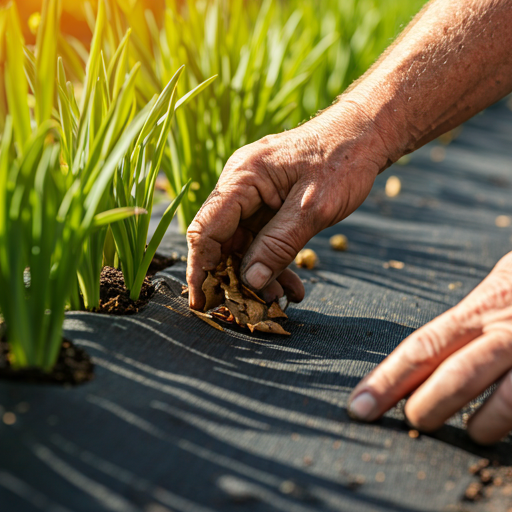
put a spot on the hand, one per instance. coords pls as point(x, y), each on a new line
point(449, 362)
point(277, 193)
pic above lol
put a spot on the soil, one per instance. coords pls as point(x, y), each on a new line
point(73, 367)
point(493, 481)
point(115, 298)
point(161, 262)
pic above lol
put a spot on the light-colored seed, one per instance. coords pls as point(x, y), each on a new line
point(503, 221)
point(339, 242)
point(413, 434)
point(393, 186)
point(380, 477)
point(394, 264)
point(307, 258)
point(421, 475)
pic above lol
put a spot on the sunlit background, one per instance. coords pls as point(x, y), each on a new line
point(74, 15)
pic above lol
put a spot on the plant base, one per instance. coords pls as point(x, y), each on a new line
point(115, 298)
point(73, 367)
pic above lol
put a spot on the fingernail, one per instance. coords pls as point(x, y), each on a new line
point(363, 407)
point(258, 275)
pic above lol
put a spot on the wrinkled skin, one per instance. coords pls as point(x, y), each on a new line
point(453, 60)
point(276, 194)
point(450, 361)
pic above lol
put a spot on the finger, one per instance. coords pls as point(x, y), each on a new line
point(288, 283)
point(213, 226)
point(277, 244)
point(493, 420)
point(238, 243)
point(292, 285)
point(459, 379)
point(274, 291)
point(410, 364)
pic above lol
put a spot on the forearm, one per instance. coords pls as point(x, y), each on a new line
point(453, 60)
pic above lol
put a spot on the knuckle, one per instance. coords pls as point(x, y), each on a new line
point(279, 249)
point(194, 235)
point(424, 348)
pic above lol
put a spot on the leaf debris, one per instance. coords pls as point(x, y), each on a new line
point(230, 301)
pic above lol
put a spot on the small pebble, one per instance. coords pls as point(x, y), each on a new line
point(413, 434)
point(339, 242)
point(393, 186)
point(306, 258)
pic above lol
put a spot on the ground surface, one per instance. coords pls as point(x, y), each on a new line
point(181, 417)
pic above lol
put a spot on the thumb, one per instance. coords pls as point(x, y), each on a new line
point(278, 243)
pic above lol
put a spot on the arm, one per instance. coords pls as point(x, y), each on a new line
point(274, 195)
point(451, 62)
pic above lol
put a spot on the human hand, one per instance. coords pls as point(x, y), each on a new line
point(277, 193)
point(449, 362)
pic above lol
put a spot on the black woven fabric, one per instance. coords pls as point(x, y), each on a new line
point(181, 417)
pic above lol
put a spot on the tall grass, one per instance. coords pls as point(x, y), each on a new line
point(46, 210)
point(278, 62)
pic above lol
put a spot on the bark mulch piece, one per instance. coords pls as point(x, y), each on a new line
point(115, 298)
point(73, 367)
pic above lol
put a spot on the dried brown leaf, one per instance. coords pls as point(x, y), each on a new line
point(275, 311)
point(256, 311)
point(238, 311)
point(212, 291)
point(223, 313)
point(268, 326)
point(252, 295)
point(208, 319)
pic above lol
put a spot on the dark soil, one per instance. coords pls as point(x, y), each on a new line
point(161, 262)
point(115, 298)
point(73, 367)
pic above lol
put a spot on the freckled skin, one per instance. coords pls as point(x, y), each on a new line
point(453, 60)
